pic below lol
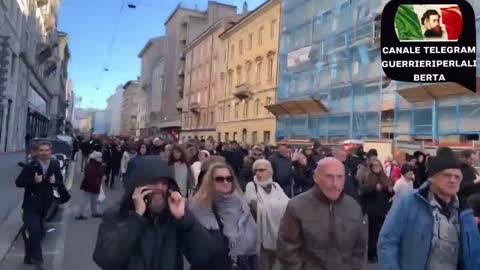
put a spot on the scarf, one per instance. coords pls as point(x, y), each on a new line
point(238, 224)
point(44, 164)
point(263, 184)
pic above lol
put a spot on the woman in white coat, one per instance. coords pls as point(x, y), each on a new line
point(268, 203)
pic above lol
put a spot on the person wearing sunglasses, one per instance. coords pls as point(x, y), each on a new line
point(222, 209)
point(268, 202)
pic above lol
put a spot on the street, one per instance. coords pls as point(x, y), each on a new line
point(69, 243)
point(11, 195)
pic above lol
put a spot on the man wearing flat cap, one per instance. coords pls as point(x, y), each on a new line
point(152, 228)
point(426, 228)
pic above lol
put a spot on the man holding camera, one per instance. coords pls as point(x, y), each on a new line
point(39, 178)
point(151, 228)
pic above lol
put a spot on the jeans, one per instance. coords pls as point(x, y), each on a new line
point(84, 161)
point(374, 226)
point(33, 236)
point(95, 205)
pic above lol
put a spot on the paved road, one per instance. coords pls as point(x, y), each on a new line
point(10, 194)
point(70, 245)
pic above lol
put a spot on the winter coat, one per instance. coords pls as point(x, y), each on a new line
point(406, 236)
point(282, 169)
point(375, 203)
point(128, 241)
point(316, 234)
point(38, 197)
point(467, 186)
point(133, 242)
point(302, 177)
point(93, 177)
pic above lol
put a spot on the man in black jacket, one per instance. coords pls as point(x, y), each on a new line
point(282, 168)
point(152, 229)
point(40, 179)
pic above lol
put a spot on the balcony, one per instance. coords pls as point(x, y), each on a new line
point(243, 91)
point(50, 23)
point(195, 107)
point(365, 34)
point(181, 72)
point(41, 3)
point(182, 56)
point(180, 105)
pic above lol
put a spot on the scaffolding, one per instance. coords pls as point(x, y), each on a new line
point(330, 51)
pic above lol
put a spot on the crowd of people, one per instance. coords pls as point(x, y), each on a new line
point(234, 206)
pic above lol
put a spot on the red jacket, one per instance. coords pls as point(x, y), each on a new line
point(93, 177)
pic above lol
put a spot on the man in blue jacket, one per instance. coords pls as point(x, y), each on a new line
point(426, 228)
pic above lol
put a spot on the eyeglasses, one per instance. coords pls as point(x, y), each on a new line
point(260, 170)
point(220, 179)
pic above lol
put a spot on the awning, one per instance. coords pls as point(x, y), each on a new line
point(435, 91)
point(298, 107)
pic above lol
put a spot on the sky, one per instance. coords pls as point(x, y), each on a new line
point(102, 36)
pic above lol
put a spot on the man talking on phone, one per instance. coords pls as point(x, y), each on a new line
point(151, 229)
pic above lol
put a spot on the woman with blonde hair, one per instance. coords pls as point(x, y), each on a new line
point(222, 209)
point(268, 203)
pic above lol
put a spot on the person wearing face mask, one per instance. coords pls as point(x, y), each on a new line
point(268, 203)
point(152, 228)
point(222, 209)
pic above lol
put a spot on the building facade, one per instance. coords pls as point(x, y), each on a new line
point(33, 72)
point(248, 76)
point(183, 26)
point(100, 122)
point(114, 111)
point(201, 85)
point(152, 80)
point(332, 85)
point(132, 96)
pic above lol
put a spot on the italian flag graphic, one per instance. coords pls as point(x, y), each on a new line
point(409, 27)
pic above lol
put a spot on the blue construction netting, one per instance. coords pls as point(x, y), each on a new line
point(341, 38)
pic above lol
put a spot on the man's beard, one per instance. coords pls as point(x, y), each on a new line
point(157, 202)
point(435, 32)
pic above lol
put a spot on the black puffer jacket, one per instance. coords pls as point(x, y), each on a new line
point(128, 241)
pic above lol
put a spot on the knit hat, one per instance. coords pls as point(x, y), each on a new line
point(441, 163)
point(150, 170)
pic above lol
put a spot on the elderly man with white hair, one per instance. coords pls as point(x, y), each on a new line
point(323, 228)
point(268, 203)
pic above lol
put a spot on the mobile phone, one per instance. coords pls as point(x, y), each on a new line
point(148, 198)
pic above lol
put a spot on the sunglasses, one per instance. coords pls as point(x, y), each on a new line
point(220, 179)
point(260, 170)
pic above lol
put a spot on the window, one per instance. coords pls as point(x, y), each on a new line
point(254, 137)
point(191, 120)
point(232, 52)
point(272, 29)
point(247, 74)
point(221, 114)
point(12, 67)
point(250, 41)
point(240, 47)
point(198, 120)
point(268, 102)
point(226, 137)
point(204, 123)
point(266, 137)
point(211, 118)
point(230, 82)
point(239, 76)
point(257, 107)
point(236, 110)
point(234, 136)
point(227, 112)
point(225, 57)
point(260, 36)
point(270, 68)
point(259, 71)
point(245, 110)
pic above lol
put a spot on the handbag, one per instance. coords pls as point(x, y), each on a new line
point(101, 196)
